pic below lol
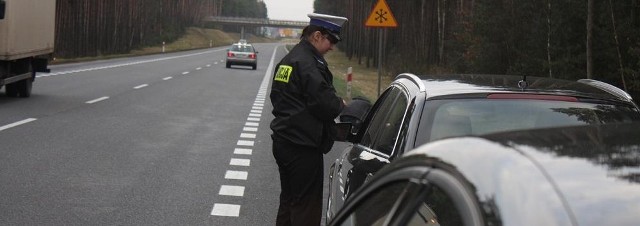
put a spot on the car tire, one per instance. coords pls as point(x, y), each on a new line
point(254, 66)
point(228, 65)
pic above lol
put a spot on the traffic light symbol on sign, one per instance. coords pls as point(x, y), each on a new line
point(381, 16)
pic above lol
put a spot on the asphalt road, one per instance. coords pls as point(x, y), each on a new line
point(168, 139)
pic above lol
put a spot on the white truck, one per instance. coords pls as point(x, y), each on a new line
point(27, 30)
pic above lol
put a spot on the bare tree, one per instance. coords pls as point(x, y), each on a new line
point(549, 37)
point(615, 35)
point(590, 38)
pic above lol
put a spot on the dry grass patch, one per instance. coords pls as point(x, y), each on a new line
point(363, 79)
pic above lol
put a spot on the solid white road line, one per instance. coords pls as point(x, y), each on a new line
point(17, 123)
point(230, 190)
point(236, 175)
point(97, 100)
point(240, 162)
point(227, 210)
point(123, 64)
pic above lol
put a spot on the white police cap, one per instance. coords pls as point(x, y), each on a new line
point(332, 23)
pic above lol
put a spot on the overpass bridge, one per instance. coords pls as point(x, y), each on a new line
point(254, 22)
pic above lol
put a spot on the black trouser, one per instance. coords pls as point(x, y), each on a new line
point(301, 175)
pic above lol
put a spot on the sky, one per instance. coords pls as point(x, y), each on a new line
point(289, 9)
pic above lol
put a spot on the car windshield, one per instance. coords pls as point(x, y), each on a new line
point(242, 48)
point(483, 116)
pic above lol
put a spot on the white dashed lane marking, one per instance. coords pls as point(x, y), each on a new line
point(25, 121)
point(226, 210)
point(240, 162)
point(229, 190)
point(251, 125)
point(97, 100)
point(245, 143)
point(236, 175)
point(242, 151)
point(250, 129)
point(141, 86)
point(247, 135)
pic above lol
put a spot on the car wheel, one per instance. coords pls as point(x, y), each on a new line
point(228, 65)
point(254, 66)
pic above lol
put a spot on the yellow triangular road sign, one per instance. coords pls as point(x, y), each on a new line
point(381, 16)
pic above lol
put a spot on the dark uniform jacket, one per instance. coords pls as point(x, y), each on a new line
point(304, 100)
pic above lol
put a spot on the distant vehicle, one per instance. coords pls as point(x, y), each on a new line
point(242, 54)
point(242, 41)
point(415, 110)
point(583, 175)
point(26, 43)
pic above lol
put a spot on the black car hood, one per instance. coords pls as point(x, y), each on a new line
point(596, 169)
point(588, 175)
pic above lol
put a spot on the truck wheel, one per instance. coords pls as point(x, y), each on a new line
point(11, 90)
point(24, 87)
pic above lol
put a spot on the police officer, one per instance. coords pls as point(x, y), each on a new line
point(305, 105)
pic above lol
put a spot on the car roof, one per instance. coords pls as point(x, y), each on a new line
point(592, 169)
point(452, 84)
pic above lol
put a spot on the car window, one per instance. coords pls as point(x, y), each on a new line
point(242, 48)
point(376, 207)
point(375, 116)
point(385, 122)
point(390, 127)
point(482, 116)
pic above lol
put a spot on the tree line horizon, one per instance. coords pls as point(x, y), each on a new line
point(571, 39)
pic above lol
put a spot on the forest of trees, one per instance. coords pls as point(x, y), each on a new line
point(562, 39)
point(102, 27)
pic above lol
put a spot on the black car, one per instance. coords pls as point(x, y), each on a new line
point(580, 175)
point(415, 110)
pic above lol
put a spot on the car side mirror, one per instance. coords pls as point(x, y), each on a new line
point(2, 9)
point(344, 132)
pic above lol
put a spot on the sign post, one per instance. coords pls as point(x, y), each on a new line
point(349, 78)
point(381, 17)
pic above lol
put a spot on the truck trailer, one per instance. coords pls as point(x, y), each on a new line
point(27, 31)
